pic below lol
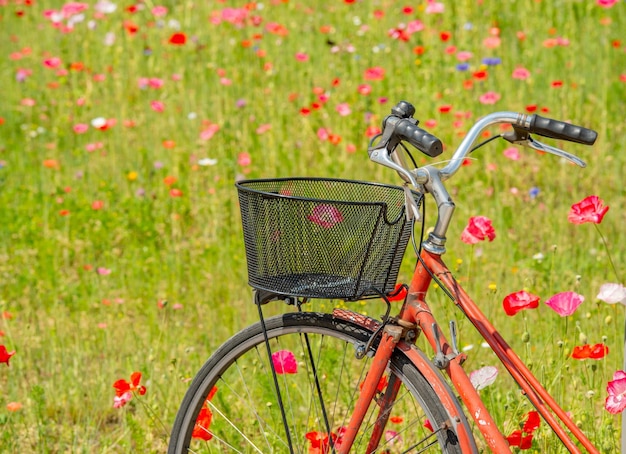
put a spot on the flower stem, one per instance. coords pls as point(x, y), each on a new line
point(608, 253)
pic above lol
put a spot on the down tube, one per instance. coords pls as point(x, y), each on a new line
point(416, 309)
point(538, 395)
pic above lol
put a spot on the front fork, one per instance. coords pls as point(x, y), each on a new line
point(391, 335)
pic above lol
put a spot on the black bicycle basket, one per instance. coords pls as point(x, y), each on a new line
point(323, 238)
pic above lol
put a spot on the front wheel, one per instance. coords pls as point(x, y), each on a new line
point(232, 404)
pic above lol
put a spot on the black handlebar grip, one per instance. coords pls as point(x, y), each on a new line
point(556, 129)
point(420, 139)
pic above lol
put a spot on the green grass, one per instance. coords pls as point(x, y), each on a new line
point(76, 331)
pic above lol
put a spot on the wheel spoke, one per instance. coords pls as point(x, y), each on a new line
point(319, 381)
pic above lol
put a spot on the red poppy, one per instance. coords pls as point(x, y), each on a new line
point(203, 422)
point(130, 27)
point(523, 438)
point(518, 301)
point(320, 441)
point(522, 442)
point(589, 209)
point(382, 384)
point(480, 75)
point(178, 39)
point(201, 428)
point(170, 180)
point(479, 228)
point(5, 355)
point(122, 386)
point(597, 351)
point(97, 205)
point(374, 73)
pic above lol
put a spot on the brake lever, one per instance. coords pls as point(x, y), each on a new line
point(555, 151)
point(521, 137)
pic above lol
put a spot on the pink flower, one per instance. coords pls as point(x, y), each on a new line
point(616, 400)
point(209, 131)
point(302, 56)
point(120, 401)
point(325, 216)
point(392, 437)
point(80, 128)
point(479, 228)
point(434, 7)
point(243, 159)
point(512, 153)
point(343, 109)
point(414, 26)
point(483, 377)
point(612, 293)
point(103, 271)
point(22, 74)
point(284, 362)
point(515, 302)
point(157, 106)
point(464, 56)
point(606, 3)
point(71, 8)
point(565, 303)
point(374, 73)
point(262, 129)
point(323, 134)
point(364, 89)
point(589, 209)
point(53, 62)
point(492, 42)
point(159, 11)
point(521, 73)
point(491, 97)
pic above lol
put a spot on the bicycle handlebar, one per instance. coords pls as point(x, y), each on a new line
point(407, 129)
point(401, 126)
point(556, 129)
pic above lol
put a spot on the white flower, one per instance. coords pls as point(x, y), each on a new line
point(105, 7)
point(612, 293)
point(98, 122)
point(483, 377)
point(207, 162)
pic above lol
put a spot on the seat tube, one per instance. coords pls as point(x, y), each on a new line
point(390, 337)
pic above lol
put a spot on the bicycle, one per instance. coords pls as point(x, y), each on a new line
point(332, 382)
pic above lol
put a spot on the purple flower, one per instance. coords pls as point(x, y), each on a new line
point(492, 61)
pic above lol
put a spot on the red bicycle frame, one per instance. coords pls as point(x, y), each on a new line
point(416, 312)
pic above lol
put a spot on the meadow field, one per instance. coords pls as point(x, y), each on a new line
point(124, 126)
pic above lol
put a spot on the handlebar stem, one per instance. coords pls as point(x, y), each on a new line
point(436, 242)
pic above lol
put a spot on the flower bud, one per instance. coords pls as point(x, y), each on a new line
point(582, 337)
point(526, 337)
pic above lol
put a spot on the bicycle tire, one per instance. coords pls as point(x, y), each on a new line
point(244, 356)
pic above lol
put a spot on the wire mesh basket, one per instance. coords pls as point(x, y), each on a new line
point(323, 238)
